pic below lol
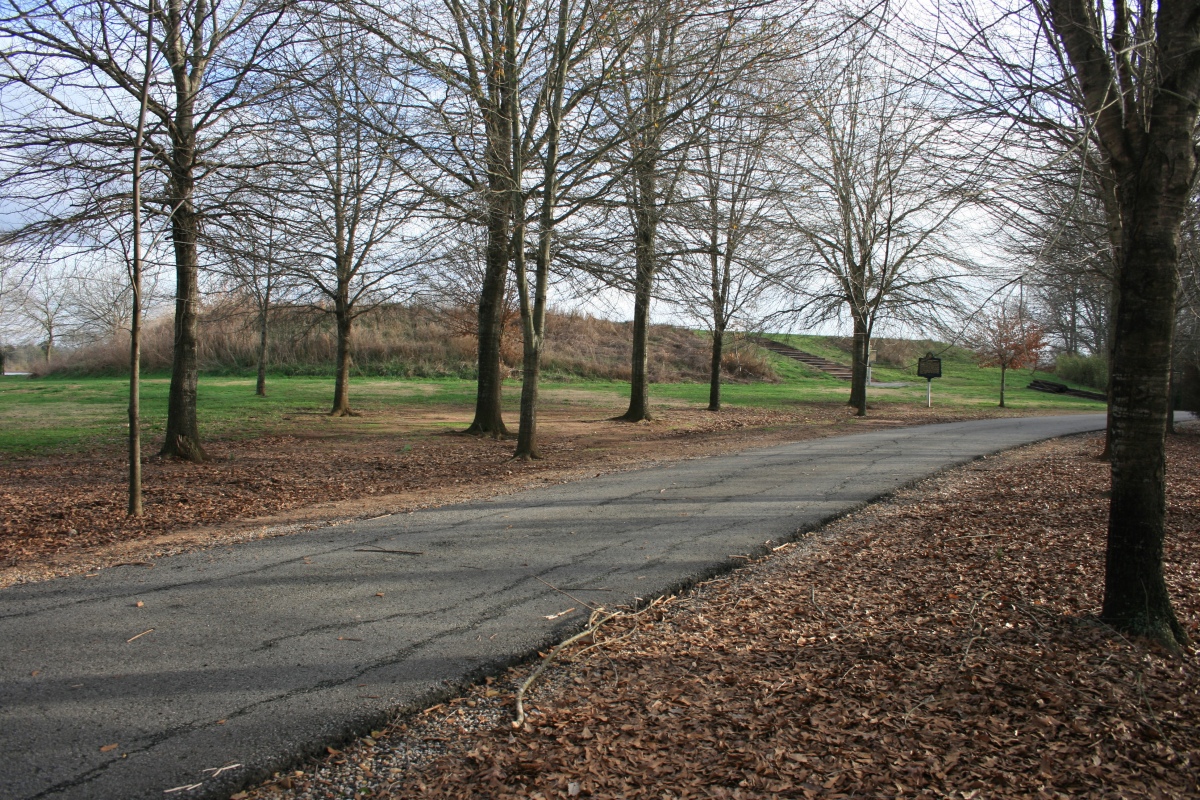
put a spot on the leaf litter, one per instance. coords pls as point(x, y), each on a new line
point(943, 643)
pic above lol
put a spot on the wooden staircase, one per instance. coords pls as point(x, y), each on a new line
point(816, 362)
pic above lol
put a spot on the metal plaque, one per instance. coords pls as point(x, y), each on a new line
point(929, 367)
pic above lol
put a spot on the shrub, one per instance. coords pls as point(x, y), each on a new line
point(1086, 370)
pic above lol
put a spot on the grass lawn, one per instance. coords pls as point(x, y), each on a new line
point(51, 414)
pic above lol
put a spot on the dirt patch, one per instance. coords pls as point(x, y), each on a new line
point(65, 515)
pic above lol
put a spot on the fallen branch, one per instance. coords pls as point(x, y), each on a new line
point(568, 594)
point(140, 635)
point(592, 628)
point(588, 631)
point(218, 770)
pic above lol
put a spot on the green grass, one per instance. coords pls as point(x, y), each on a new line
point(70, 414)
point(45, 414)
point(964, 384)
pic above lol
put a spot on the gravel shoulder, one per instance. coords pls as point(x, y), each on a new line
point(942, 643)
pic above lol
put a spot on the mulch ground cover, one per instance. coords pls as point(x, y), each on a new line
point(942, 644)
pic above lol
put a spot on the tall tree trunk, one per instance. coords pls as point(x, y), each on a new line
point(489, 420)
point(639, 394)
point(719, 275)
point(183, 436)
point(1003, 371)
point(714, 378)
point(646, 262)
point(1145, 121)
point(260, 387)
point(341, 387)
point(858, 373)
point(533, 320)
point(1135, 592)
point(134, 508)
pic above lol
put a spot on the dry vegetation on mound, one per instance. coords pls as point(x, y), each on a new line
point(943, 644)
point(418, 341)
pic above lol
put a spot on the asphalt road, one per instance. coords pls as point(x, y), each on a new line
point(258, 654)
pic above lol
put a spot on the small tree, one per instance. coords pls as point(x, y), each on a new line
point(1006, 338)
point(45, 306)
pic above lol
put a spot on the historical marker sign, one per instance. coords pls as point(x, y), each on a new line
point(929, 367)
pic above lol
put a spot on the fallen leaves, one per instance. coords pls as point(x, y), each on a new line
point(903, 653)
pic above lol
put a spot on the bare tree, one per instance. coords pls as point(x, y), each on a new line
point(99, 291)
point(1140, 80)
point(558, 138)
point(46, 306)
point(1058, 235)
point(463, 63)
point(13, 275)
point(681, 54)
point(136, 271)
point(722, 228)
point(251, 251)
point(874, 196)
point(350, 212)
point(80, 67)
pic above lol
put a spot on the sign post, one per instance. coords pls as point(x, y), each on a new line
point(929, 368)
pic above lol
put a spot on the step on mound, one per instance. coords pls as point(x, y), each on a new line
point(816, 362)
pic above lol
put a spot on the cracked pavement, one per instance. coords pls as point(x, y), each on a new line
point(258, 654)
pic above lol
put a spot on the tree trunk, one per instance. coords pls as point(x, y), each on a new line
point(1147, 137)
point(1135, 592)
point(714, 380)
point(639, 395)
point(533, 322)
point(260, 387)
point(646, 221)
point(858, 375)
point(183, 436)
point(134, 509)
point(488, 417)
point(341, 387)
point(1003, 371)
